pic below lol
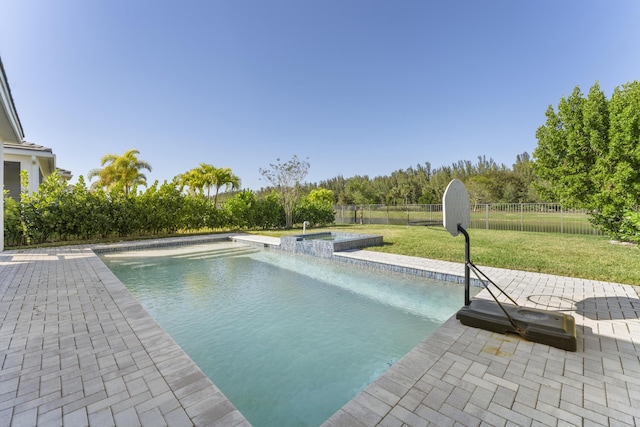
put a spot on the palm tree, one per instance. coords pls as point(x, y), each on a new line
point(208, 176)
point(223, 177)
point(192, 179)
point(123, 170)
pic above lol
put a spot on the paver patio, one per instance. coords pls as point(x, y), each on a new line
point(471, 377)
point(77, 349)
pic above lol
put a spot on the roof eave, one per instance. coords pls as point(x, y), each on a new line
point(24, 150)
point(8, 111)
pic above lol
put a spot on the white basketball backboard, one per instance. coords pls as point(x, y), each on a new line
point(456, 208)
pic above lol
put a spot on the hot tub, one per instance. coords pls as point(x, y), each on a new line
point(324, 244)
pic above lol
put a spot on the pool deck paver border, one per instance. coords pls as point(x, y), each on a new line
point(77, 349)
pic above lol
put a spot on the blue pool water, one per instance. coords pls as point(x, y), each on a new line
point(289, 339)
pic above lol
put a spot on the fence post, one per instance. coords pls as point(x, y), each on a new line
point(561, 221)
point(486, 216)
point(521, 217)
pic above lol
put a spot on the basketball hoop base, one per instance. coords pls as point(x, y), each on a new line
point(541, 326)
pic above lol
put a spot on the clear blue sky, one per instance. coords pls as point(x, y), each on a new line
point(357, 86)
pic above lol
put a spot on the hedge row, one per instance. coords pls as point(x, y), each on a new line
point(57, 213)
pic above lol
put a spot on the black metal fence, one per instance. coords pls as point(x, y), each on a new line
point(541, 217)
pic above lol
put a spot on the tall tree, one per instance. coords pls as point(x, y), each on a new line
point(124, 170)
point(617, 168)
point(191, 179)
point(360, 191)
point(223, 177)
point(523, 173)
point(286, 179)
point(588, 153)
point(207, 176)
point(566, 155)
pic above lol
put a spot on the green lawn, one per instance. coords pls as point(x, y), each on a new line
point(588, 257)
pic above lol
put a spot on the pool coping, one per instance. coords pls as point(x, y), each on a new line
point(132, 372)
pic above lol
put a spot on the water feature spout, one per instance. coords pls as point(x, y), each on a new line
point(304, 227)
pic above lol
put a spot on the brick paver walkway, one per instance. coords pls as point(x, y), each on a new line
point(77, 349)
point(470, 377)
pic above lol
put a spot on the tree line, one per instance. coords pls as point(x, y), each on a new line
point(486, 182)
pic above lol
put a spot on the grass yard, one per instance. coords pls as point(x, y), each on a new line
point(582, 256)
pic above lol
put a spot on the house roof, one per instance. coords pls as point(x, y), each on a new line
point(65, 173)
point(25, 145)
point(45, 154)
point(9, 120)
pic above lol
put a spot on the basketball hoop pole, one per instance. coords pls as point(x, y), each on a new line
point(467, 260)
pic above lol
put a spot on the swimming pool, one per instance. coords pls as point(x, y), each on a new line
point(289, 339)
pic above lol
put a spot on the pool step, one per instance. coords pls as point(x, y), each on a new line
point(204, 254)
point(220, 253)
